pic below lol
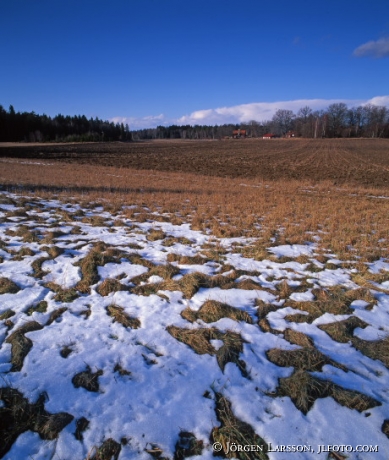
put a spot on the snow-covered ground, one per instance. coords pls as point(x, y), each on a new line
point(151, 386)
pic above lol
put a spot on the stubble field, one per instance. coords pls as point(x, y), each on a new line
point(353, 161)
point(173, 299)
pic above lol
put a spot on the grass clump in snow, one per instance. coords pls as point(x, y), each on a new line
point(342, 331)
point(234, 431)
point(98, 256)
point(375, 349)
point(307, 358)
point(51, 236)
point(304, 389)
point(55, 315)
point(187, 260)
point(171, 240)
point(95, 221)
point(82, 425)
point(18, 415)
point(66, 350)
point(333, 300)
point(164, 271)
point(61, 294)
point(187, 446)
point(155, 234)
point(298, 338)
point(25, 233)
point(87, 379)
point(37, 267)
point(20, 344)
point(189, 284)
point(41, 307)
point(54, 251)
point(118, 314)
point(110, 285)
point(212, 310)
point(109, 450)
point(7, 314)
point(385, 428)
point(120, 370)
point(263, 308)
point(23, 252)
point(7, 286)
point(200, 342)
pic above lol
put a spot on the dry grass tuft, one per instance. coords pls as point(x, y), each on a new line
point(66, 350)
point(24, 233)
point(118, 314)
point(7, 286)
point(284, 290)
point(187, 446)
point(342, 331)
point(109, 450)
point(199, 340)
point(155, 235)
point(234, 431)
point(385, 428)
point(61, 294)
point(23, 252)
point(98, 256)
point(51, 236)
point(110, 285)
point(212, 310)
point(263, 308)
point(376, 349)
point(18, 415)
point(171, 240)
point(298, 338)
point(55, 315)
point(306, 359)
point(7, 314)
point(95, 221)
point(120, 370)
point(136, 259)
point(82, 425)
point(54, 251)
point(187, 260)
point(87, 379)
point(20, 344)
point(304, 389)
point(334, 300)
point(41, 307)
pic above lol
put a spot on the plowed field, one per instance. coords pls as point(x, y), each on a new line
point(362, 161)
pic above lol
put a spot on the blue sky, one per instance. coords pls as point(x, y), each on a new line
point(150, 62)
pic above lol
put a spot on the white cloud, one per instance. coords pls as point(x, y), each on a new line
point(259, 111)
point(134, 123)
point(378, 49)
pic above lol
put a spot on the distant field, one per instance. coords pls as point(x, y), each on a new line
point(341, 161)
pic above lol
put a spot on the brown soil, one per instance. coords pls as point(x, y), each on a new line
point(362, 161)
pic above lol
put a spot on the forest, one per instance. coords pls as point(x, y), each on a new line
point(31, 127)
point(336, 121)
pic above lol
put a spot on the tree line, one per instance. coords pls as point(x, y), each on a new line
point(31, 127)
point(336, 121)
